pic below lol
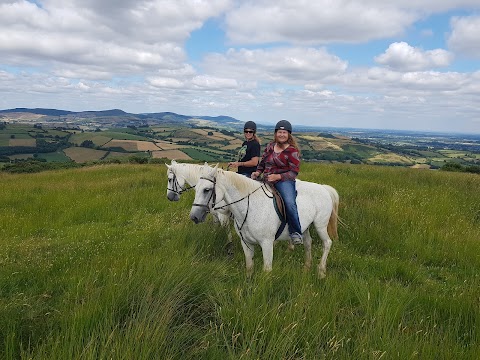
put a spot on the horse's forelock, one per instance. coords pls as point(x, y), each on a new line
point(208, 172)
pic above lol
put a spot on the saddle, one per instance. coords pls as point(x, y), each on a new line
point(279, 206)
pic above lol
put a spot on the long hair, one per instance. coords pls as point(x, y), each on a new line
point(255, 137)
point(291, 141)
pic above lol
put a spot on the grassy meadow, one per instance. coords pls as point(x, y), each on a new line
point(96, 263)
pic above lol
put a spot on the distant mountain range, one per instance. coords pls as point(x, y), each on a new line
point(112, 117)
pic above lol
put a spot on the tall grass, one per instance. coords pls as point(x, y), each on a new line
point(95, 263)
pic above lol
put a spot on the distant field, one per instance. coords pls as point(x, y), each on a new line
point(454, 153)
point(53, 132)
point(390, 158)
point(23, 142)
point(171, 154)
point(123, 136)
point(216, 134)
point(234, 144)
point(20, 156)
point(57, 156)
point(132, 145)
point(117, 155)
point(199, 155)
point(17, 135)
point(205, 134)
point(165, 145)
point(98, 138)
point(81, 154)
point(324, 145)
point(187, 134)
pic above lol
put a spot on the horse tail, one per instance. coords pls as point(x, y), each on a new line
point(332, 227)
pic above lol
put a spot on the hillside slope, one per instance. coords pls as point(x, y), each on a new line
point(96, 262)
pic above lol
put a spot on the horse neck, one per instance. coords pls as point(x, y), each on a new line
point(235, 188)
point(190, 172)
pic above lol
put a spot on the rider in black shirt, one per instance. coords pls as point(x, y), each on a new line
point(249, 153)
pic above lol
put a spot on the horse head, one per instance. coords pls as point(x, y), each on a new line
point(206, 194)
point(176, 184)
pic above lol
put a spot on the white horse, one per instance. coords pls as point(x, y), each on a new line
point(256, 221)
point(183, 177)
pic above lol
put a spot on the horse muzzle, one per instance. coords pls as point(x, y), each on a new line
point(198, 215)
point(172, 196)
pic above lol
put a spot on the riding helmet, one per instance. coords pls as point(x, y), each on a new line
point(250, 125)
point(283, 125)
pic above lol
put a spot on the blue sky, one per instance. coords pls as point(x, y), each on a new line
point(350, 63)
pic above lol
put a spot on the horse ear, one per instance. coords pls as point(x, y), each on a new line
point(168, 166)
point(173, 162)
point(216, 166)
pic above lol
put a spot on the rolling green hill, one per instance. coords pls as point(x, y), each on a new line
point(95, 263)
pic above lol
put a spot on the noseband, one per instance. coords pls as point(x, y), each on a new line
point(213, 195)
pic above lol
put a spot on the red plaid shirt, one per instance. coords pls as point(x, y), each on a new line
point(285, 163)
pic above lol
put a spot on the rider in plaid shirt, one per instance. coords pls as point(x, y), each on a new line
point(280, 164)
point(286, 163)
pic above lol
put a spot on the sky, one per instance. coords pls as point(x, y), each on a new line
point(374, 64)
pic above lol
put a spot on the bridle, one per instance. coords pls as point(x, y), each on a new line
point(213, 198)
point(176, 188)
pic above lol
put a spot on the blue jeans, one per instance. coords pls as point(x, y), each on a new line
point(289, 194)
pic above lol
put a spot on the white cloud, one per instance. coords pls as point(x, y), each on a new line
point(315, 22)
point(403, 57)
point(166, 82)
point(131, 54)
point(123, 36)
point(464, 37)
point(294, 66)
point(214, 83)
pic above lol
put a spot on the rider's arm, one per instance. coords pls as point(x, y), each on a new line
point(261, 164)
point(250, 163)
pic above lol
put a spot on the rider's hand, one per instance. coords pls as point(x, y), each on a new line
point(273, 178)
point(255, 175)
point(234, 164)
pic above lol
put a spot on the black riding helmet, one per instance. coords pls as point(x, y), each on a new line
point(250, 125)
point(283, 125)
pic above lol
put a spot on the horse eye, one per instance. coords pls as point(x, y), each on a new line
point(207, 190)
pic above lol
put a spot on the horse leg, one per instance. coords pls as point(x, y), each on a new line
point(327, 244)
point(249, 251)
point(267, 252)
point(290, 247)
point(307, 244)
point(224, 221)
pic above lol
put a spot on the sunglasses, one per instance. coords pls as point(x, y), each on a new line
point(248, 131)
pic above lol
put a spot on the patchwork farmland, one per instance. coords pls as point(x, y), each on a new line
point(20, 142)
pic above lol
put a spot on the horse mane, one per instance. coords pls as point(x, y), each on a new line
point(243, 184)
point(190, 172)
